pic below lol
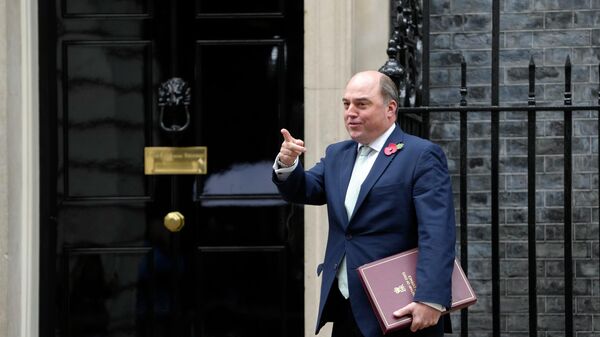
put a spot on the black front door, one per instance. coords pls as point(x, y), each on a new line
point(109, 266)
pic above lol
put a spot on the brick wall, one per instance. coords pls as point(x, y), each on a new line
point(548, 30)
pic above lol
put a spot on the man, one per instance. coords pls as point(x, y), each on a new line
point(386, 192)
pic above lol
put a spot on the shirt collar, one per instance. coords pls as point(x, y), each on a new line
point(378, 143)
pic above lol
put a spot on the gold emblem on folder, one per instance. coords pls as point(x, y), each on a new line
point(400, 289)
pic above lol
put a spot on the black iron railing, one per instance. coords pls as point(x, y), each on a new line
point(409, 41)
point(531, 108)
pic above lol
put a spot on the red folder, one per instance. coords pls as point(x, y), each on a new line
point(390, 284)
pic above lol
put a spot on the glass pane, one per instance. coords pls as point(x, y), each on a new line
point(106, 120)
point(105, 6)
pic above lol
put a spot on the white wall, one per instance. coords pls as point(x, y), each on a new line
point(3, 174)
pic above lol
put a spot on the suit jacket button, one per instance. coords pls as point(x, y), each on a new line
point(348, 236)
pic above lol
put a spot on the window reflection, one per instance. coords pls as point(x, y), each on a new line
point(242, 184)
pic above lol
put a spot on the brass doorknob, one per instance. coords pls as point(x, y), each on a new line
point(174, 221)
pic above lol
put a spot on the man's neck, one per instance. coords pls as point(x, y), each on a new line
point(379, 142)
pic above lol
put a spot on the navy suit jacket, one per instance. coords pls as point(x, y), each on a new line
point(405, 201)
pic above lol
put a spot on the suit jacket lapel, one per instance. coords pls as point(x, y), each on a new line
point(346, 166)
point(380, 165)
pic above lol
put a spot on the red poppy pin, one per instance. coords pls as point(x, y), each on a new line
point(392, 148)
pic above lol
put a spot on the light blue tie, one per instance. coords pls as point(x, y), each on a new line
point(359, 173)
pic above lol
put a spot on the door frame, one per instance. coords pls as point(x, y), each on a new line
point(20, 209)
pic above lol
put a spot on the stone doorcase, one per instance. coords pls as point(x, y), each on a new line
point(19, 168)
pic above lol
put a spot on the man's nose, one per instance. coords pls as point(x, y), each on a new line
point(351, 111)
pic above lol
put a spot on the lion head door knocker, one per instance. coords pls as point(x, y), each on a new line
point(174, 94)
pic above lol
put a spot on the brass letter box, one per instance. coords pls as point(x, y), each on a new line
point(175, 160)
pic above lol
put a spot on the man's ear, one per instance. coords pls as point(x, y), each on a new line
point(391, 108)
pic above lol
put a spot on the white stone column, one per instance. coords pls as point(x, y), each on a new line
point(341, 38)
point(3, 173)
point(371, 28)
point(19, 169)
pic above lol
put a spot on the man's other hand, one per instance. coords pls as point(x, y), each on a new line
point(291, 148)
point(423, 316)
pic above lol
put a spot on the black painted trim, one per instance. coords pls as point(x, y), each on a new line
point(495, 169)
point(531, 205)
point(568, 222)
point(47, 145)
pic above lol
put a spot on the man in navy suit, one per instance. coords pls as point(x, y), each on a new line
point(386, 192)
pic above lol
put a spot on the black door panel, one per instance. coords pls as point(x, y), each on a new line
point(109, 265)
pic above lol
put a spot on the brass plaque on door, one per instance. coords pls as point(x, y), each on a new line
point(175, 160)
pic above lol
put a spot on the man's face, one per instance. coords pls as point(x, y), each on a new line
point(366, 115)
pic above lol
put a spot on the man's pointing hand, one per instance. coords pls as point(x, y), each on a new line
point(291, 148)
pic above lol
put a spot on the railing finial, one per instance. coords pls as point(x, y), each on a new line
point(531, 97)
point(568, 93)
point(392, 67)
point(463, 81)
point(404, 52)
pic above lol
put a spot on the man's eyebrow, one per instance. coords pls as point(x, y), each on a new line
point(359, 99)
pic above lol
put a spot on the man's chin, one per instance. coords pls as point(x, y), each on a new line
point(356, 137)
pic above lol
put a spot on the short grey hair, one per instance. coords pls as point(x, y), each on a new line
point(389, 91)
